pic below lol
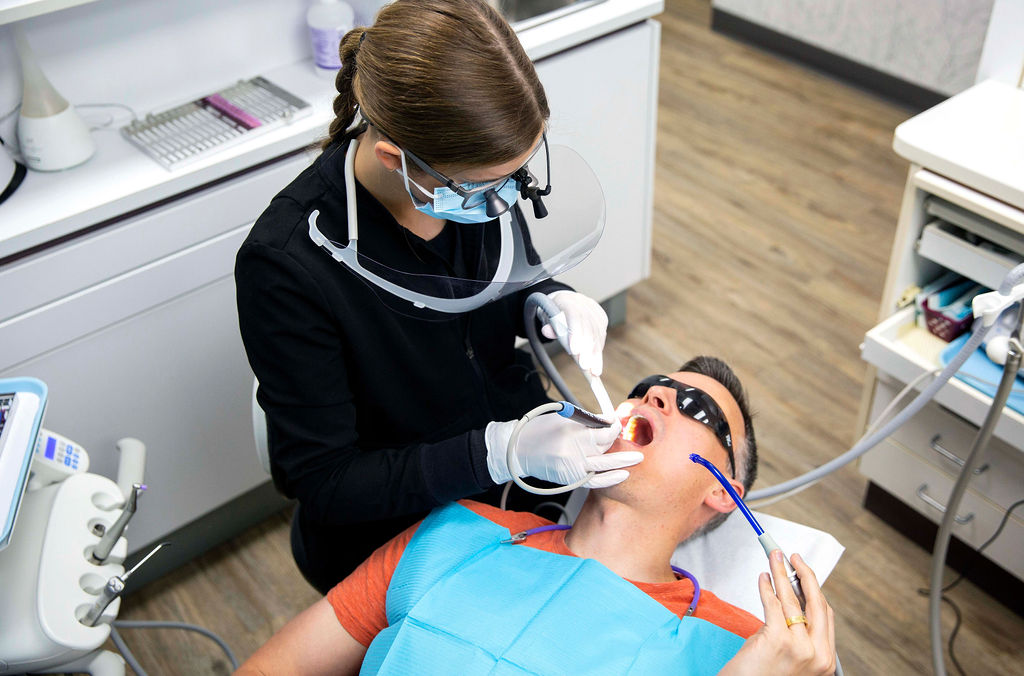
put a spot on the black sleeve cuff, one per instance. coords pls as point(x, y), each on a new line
point(456, 467)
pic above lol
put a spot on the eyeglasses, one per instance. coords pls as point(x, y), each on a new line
point(695, 404)
point(528, 184)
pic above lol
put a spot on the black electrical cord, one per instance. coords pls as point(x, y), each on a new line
point(1002, 525)
point(960, 578)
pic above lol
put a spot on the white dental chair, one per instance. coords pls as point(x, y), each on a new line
point(259, 430)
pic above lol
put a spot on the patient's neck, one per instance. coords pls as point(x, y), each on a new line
point(625, 540)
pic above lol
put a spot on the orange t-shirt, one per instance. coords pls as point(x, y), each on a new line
point(359, 599)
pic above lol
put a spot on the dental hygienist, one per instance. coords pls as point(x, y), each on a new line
point(381, 292)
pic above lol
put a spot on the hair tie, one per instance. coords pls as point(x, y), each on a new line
point(362, 37)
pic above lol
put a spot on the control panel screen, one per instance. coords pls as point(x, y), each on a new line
point(6, 401)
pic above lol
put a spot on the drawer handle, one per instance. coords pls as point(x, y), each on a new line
point(955, 459)
point(932, 502)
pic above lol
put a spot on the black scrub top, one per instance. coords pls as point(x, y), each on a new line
point(375, 410)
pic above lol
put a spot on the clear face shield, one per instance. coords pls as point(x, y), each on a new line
point(533, 242)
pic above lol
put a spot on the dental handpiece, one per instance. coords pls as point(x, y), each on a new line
point(112, 590)
point(767, 542)
point(102, 549)
point(582, 416)
point(769, 545)
point(561, 329)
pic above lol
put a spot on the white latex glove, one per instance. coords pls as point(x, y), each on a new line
point(558, 450)
point(587, 325)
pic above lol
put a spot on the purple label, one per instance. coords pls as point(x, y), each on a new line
point(325, 47)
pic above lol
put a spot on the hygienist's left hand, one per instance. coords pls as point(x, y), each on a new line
point(588, 326)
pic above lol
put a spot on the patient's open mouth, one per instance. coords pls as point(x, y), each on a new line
point(638, 431)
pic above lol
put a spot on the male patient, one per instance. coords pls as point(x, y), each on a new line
point(454, 594)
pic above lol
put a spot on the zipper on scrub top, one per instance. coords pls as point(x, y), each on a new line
point(481, 380)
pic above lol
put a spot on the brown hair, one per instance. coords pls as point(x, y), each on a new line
point(445, 79)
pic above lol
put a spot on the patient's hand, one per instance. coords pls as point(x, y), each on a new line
point(798, 649)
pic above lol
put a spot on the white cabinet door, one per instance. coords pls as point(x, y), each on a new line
point(603, 97)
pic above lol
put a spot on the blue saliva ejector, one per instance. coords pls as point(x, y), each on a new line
point(767, 541)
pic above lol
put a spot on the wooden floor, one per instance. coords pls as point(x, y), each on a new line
point(775, 205)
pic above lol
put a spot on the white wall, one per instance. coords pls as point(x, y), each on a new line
point(936, 44)
point(1002, 57)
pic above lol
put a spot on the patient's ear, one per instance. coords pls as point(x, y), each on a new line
point(719, 499)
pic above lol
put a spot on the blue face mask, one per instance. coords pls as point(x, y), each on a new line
point(446, 204)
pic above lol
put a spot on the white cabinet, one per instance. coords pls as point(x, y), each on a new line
point(135, 332)
point(962, 210)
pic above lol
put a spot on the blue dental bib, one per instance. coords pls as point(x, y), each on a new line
point(461, 602)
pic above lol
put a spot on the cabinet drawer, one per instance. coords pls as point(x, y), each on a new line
point(935, 433)
point(154, 234)
point(919, 484)
point(133, 292)
point(981, 262)
point(899, 348)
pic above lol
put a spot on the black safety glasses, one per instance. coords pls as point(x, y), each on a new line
point(696, 404)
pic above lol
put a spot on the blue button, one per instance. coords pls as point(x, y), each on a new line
point(67, 461)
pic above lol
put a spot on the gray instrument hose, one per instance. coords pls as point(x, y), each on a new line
point(541, 301)
point(115, 636)
point(869, 441)
point(942, 539)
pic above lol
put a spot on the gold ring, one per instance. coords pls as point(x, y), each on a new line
point(796, 619)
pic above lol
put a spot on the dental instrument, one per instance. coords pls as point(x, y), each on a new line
point(111, 535)
point(113, 589)
point(63, 567)
point(767, 542)
point(566, 410)
point(537, 306)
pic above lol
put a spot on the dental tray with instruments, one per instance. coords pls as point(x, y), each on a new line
point(199, 128)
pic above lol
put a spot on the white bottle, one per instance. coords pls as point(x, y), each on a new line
point(328, 21)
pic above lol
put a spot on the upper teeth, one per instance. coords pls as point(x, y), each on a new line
point(629, 432)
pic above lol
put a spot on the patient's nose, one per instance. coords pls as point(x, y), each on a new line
point(661, 398)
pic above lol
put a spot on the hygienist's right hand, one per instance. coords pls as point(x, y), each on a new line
point(558, 450)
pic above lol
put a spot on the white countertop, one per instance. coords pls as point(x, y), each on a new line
point(975, 138)
point(119, 178)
